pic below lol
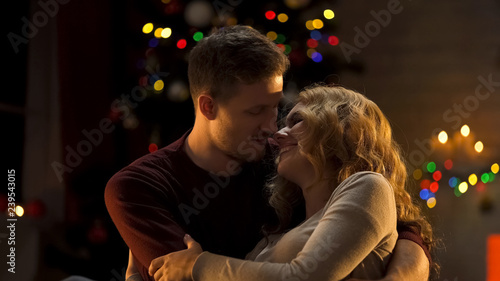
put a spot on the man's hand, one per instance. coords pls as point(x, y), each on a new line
point(408, 263)
point(177, 265)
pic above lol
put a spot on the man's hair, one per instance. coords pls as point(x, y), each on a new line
point(236, 54)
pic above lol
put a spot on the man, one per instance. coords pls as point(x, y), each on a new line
point(210, 182)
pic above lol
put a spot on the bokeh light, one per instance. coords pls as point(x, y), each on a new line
point(198, 36)
point(328, 14)
point(443, 137)
point(448, 164)
point(491, 177)
point(424, 194)
point(153, 147)
point(280, 38)
point(417, 174)
point(147, 28)
point(479, 146)
point(181, 44)
point(158, 32)
point(431, 202)
point(465, 130)
point(19, 211)
point(158, 85)
point(270, 15)
point(437, 175)
point(485, 177)
point(153, 42)
point(431, 167)
point(425, 184)
point(317, 23)
point(434, 187)
point(473, 179)
point(272, 35)
point(316, 57)
point(311, 43)
point(282, 17)
point(333, 40)
point(494, 168)
point(453, 181)
point(309, 25)
point(462, 187)
point(310, 52)
point(166, 32)
point(316, 35)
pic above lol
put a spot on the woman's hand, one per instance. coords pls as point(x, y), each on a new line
point(177, 265)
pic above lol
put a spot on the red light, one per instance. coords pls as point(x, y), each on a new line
point(281, 46)
point(181, 44)
point(153, 147)
point(425, 184)
point(448, 164)
point(333, 40)
point(270, 15)
point(311, 43)
point(434, 187)
point(437, 175)
point(480, 186)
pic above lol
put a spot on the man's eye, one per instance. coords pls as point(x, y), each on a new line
point(255, 111)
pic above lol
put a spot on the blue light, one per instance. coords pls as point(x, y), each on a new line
point(316, 35)
point(316, 57)
point(424, 194)
point(153, 42)
point(453, 182)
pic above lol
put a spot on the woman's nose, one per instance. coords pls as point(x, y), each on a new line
point(280, 135)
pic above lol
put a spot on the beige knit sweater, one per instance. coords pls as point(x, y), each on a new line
point(352, 236)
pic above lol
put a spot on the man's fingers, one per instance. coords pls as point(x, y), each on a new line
point(190, 242)
point(155, 264)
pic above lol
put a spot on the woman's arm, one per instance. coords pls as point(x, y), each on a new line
point(359, 217)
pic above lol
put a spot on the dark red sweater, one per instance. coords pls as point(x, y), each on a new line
point(163, 195)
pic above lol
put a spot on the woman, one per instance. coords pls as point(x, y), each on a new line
point(337, 156)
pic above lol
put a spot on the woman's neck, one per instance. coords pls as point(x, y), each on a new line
point(316, 196)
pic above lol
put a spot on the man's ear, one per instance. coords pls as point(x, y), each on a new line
point(207, 106)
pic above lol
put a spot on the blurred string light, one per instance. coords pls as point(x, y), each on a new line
point(437, 175)
point(280, 38)
point(448, 164)
point(431, 202)
point(147, 28)
point(311, 43)
point(462, 187)
point(443, 137)
point(198, 36)
point(152, 147)
point(309, 25)
point(270, 15)
point(282, 17)
point(158, 85)
point(417, 174)
point(479, 146)
point(158, 31)
point(19, 211)
point(272, 35)
point(465, 130)
point(317, 24)
point(495, 168)
point(316, 57)
point(166, 32)
point(434, 187)
point(473, 179)
point(328, 14)
point(316, 35)
point(333, 40)
point(181, 44)
point(431, 167)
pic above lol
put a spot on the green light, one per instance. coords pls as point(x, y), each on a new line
point(198, 36)
point(485, 177)
point(431, 167)
point(280, 39)
point(491, 176)
point(288, 49)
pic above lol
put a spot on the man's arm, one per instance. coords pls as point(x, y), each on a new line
point(139, 209)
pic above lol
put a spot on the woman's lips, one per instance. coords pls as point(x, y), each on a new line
point(287, 148)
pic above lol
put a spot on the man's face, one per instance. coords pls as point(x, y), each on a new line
point(246, 120)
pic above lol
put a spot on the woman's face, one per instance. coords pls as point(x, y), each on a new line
point(293, 165)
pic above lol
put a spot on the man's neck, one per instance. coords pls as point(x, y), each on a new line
point(205, 155)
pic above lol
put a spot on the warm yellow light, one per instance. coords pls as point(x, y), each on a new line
point(495, 168)
point(431, 202)
point(158, 32)
point(19, 211)
point(417, 174)
point(329, 14)
point(465, 130)
point(309, 25)
point(462, 187)
point(272, 35)
point(147, 28)
point(317, 23)
point(479, 146)
point(473, 179)
point(159, 85)
point(443, 137)
point(166, 32)
point(310, 52)
point(282, 17)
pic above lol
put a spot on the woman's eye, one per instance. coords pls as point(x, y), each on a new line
point(296, 118)
point(255, 111)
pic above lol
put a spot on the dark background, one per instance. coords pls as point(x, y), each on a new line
point(80, 65)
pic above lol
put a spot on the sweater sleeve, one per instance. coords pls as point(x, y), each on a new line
point(360, 214)
point(137, 204)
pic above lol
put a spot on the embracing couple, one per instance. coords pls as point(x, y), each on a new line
point(322, 198)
